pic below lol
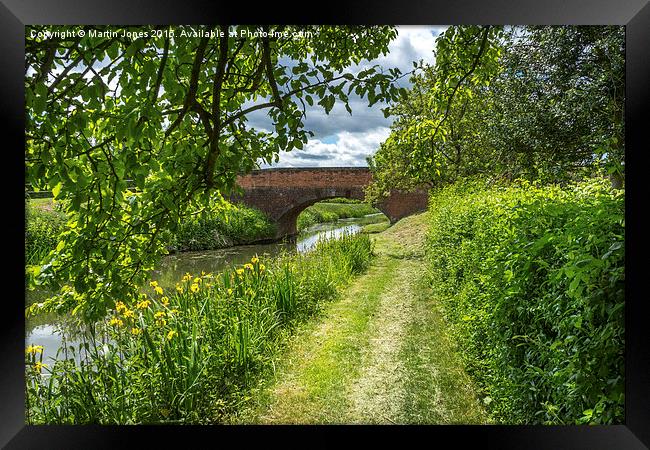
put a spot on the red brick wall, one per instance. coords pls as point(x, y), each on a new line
point(313, 177)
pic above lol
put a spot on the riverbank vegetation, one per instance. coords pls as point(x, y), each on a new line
point(43, 226)
point(213, 230)
point(333, 210)
point(190, 354)
point(236, 226)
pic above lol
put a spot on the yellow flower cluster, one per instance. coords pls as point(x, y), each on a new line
point(171, 334)
point(164, 301)
point(248, 266)
point(120, 306)
point(33, 349)
point(255, 260)
point(115, 321)
point(144, 304)
point(39, 365)
point(194, 287)
point(160, 318)
point(135, 331)
point(129, 313)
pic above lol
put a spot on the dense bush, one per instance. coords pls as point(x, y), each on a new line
point(332, 211)
point(189, 354)
point(532, 281)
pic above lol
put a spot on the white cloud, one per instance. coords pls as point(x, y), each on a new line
point(358, 135)
point(349, 150)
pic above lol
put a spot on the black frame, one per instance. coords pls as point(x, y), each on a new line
point(635, 14)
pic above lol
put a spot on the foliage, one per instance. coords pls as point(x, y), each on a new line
point(331, 212)
point(189, 354)
point(135, 131)
point(532, 280)
point(516, 102)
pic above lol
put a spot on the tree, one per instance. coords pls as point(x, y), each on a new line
point(534, 102)
point(167, 108)
point(432, 121)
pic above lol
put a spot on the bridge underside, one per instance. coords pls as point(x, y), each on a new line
point(283, 204)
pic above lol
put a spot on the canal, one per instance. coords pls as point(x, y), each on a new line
point(45, 330)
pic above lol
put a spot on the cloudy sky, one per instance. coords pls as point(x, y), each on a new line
point(341, 139)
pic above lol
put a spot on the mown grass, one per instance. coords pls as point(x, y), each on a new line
point(381, 354)
point(532, 281)
point(194, 354)
point(333, 210)
point(312, 384)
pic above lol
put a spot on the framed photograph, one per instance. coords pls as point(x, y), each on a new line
point(378, 219)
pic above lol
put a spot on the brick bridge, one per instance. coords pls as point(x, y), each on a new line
point(282, 194)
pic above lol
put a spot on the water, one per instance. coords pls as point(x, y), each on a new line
point(44, 330)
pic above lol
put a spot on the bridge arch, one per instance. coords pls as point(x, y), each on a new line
point(282, 194)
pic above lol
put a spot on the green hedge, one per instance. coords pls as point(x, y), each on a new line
point(532, 282)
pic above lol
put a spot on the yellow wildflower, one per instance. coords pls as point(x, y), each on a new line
point(240, 272)
point(160, 318)
point(116, 321)
point(164, 301)
point(143, 304)
point(229, 291)
point(179, 288)
point(158, 290)
point(33, 349)
point(197, 280)
point(153, 284)
point(262, 267)
point(255, 259)
point(136, 331)
point(171, 334)
point(202, 273)
point(194, 288)
point(39, 365)
point(129, 313)
point(187, 277)
point(120, 306)
point(248, 266)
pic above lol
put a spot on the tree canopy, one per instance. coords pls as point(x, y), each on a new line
point(133, 130)
point(533, 102)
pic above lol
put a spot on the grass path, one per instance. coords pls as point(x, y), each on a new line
point(377, 355)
